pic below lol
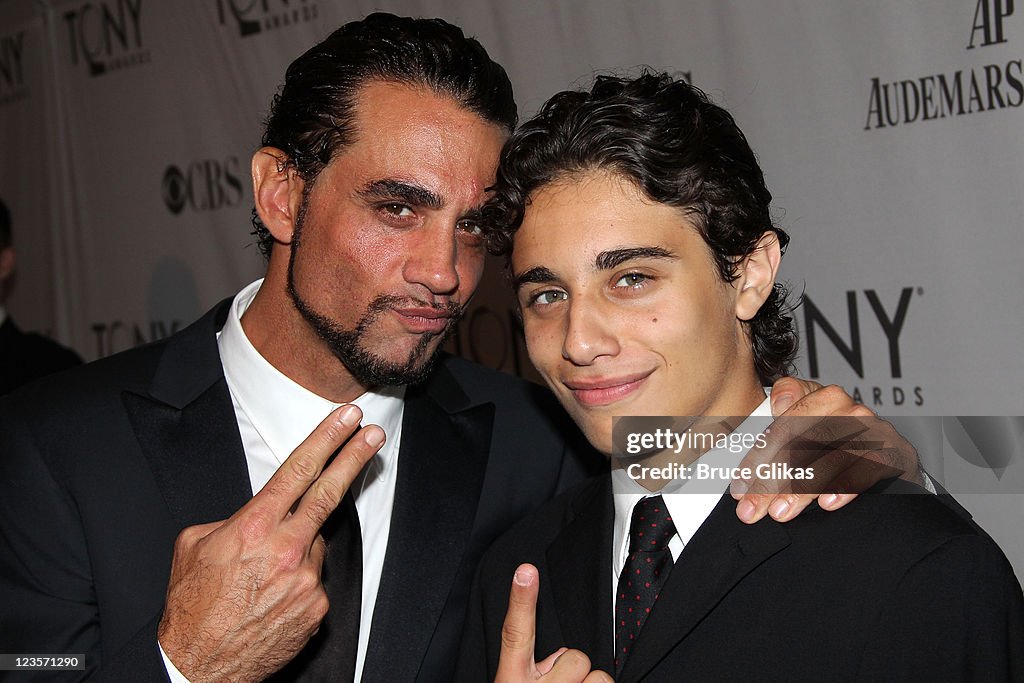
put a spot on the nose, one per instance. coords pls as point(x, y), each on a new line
point(589, 334)
point(432, 262)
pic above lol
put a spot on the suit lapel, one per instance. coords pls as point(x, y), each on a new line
point(187, 430)
point(580, 562)
point(720, 554)
point(441, 466)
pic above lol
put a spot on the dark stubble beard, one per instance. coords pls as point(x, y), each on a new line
point(349, 346)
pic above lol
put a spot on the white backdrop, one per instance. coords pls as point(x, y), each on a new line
point(890, 132)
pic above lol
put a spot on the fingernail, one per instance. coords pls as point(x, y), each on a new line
point(828, 500)
point(374, 435)
point(350, 415)
point(783, 403)
point(746, 511)
point(523, 577)
point(738, 487)
point(778, 509)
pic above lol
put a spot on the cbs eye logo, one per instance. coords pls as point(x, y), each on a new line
point(205, 185)
point(174, 190)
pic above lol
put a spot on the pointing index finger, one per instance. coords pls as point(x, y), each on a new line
point(519, 630)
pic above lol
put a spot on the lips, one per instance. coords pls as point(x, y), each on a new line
point(423, 319)
point(606, 390)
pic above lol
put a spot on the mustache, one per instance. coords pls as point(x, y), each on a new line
point(387, 301)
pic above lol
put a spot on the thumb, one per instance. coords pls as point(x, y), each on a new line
point(785, 393)
point(519, 629)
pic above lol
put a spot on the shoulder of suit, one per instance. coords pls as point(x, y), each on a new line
point(44, 346)
point(72, 391)
point(483, 385)
point(478, 380)
point(522, 405)
point(68, 388)
point(902, 525)
point(528, 539)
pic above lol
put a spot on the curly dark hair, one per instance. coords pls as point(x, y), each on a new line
point(679, 149)
point(311, 118)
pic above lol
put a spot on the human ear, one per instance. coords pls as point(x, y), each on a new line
point(277, 192)
point(757, 276)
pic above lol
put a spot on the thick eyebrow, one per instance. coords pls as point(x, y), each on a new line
point(401, 191)
point(607, 260)
point(475, 214)
point(538, 275)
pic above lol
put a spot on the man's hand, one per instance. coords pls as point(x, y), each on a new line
point(841, 468)
point(245, 594)
point(516, 661)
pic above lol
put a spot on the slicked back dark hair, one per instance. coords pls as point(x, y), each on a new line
point(312, 117)
point(679, 149)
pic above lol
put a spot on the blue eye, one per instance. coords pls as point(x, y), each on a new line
point(631, 280)
point(548, 297)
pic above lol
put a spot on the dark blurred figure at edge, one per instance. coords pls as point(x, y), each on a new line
point(24, 356)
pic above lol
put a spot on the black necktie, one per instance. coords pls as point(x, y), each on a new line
point(646, 570)
point(331, 654)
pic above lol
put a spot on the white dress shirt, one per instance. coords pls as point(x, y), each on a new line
point(275, 415)
point(688, 510)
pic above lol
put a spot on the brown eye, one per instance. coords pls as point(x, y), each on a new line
point(398, 210)
point(471, 228)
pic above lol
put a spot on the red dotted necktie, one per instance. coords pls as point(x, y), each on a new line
point(647, 567)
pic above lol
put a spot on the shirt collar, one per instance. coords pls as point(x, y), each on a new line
point(688, 510)
point(281, 410)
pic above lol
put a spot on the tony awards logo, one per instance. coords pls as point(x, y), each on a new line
point(252, 17)
point(888, 386)
point(106, 36)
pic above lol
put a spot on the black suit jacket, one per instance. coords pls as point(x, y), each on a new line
point(892, 587)
point(101, 468)
point(24, 356)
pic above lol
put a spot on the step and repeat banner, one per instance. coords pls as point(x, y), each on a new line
point(891, 134)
